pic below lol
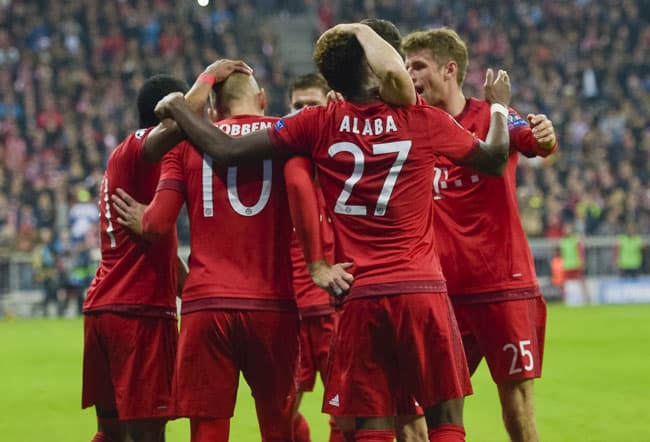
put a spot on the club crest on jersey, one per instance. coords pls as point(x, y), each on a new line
point(369, 126)
point(514, 120)
point(140, 133)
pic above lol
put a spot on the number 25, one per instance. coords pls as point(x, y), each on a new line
point(515, 356)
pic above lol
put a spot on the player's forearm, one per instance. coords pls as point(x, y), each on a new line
point(303, 207)
point(396, 86)
point(198, 95)
point(161, 140)
point(492, 157)
point(160, 216)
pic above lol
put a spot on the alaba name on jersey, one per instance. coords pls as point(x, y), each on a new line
point(375, 167)
point(311, 299)
point(134, 275)
point(480, 239)
point(240, 227)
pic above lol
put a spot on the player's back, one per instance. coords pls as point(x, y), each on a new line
point(240, 228)
point(134, 275)
point(482, 244)
point(375, 165)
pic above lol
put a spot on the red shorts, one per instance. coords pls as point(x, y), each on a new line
point(214, 345)
point(128, 364)
point(509, 334)
point(316, 334)
point(389, 347)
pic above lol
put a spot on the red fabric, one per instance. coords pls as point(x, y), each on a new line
point(395, 347)
point(447, 433)
point(375, 167)
point(476, 217)
point(209, 430)
point(503, 333)
point(335, 433)
point(239, 222)
point(118, 350)
point(303, 191)
point(133, 273)
point(301, 429)
point(262, 345)
point(316, 334)
point(102, 437)
point(160, 216)
point(374, 435)
point(304, 208)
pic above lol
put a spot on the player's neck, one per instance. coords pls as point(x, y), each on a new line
point(367, 95)
point(456, 103)
point(242, 109)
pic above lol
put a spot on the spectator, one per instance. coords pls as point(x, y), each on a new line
point(629, 252)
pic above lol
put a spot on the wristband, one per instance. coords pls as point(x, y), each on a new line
point(207, 78)
point(497, 108)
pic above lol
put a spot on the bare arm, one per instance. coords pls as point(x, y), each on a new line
point(167, 134)
point(396, 86)
point(385, 62)
point(205, 136)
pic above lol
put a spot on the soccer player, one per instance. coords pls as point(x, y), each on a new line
point(317, 317)
point(130, 310)
point(397, 333)
point(483, 249)
point(239, 311)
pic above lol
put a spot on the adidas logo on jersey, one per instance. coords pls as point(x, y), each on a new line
point(334, 402)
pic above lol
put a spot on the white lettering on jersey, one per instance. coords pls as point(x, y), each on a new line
point(374, 126)
point(244, 129)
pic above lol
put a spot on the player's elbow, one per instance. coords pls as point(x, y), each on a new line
point(155, 231)
point(398, 89)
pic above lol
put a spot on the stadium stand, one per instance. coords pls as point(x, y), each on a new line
point(68, 72)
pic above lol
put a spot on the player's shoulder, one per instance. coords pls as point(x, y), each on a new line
point(131, 144)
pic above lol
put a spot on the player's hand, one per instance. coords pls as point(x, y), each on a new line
point(221, 69)
point(543, 130)
point(129, 211)
point(163, 108)
point(334, 278)
point(333, 96)
point(497, 90)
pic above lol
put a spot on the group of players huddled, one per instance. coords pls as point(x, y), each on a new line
point(318, 243)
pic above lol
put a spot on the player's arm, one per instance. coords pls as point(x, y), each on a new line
point(396, 86)
point(167, 134)
point(205, 136)
point(492, 154)
point(303, 206)
point(153, 221)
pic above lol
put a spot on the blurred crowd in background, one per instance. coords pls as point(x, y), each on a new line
point(69, 72)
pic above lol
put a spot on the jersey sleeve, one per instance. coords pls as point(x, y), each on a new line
point(449, 138)
point(522, 138)
point(172, 175)
point(295, 133)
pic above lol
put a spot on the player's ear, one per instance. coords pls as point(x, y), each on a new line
point(451, 70)
point(261, 99)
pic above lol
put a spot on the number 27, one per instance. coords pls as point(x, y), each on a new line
point(402, 149)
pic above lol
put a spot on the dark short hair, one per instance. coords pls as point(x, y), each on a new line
point(152, 91)
point(386, 30)
point(306, 81)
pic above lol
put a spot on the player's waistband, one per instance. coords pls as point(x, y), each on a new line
point(315, 310)
point(133, 310)
point(232, 303)
point(496, 296)
point(397, 288)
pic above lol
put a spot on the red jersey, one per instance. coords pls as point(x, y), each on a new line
point(240, 227)
point(312, 300)
point(481, 242)
point(375, 166)
point(134, 276)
